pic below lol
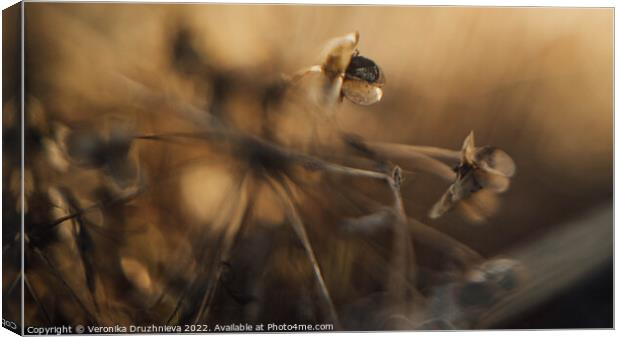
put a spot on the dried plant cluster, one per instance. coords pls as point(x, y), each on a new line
point(249, 206)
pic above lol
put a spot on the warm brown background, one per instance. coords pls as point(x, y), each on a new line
point(536, 82)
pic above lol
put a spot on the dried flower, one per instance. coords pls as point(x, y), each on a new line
point(480, 168)
point(350, 75)
point(363, 81)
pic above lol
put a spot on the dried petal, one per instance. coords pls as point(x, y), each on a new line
point(361, 92)
point(471, 213)
point(332, 91)
point(468, 150)
point(466, 183)
point(484, 169)
point(443, 205)
point(495, 182)
point(479, 206)
point(338, 54)
point(495, 160)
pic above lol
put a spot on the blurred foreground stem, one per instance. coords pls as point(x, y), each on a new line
point(285, 196)
point(230, 237)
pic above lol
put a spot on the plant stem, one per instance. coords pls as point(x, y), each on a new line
point(403, 260)
point(406, 149)
point(300, 230)
point(35, 297)
point(55, 272)
point(230, 237)
point(413, 156)
point(428, 236)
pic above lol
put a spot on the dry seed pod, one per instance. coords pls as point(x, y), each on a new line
point(336, 57)
point(349, 75)
point(484, 167)
point(363, 81)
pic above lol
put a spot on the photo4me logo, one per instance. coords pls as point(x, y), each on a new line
point(283, 327)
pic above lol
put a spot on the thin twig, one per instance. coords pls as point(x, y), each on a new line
point(380, 270)
point(303, 159)
point(6, 247)
point(9, 290)
point(179, 303)
point(402, 249)
point(403, 260)
point(430, 237)
point(35, 297)
point(421, 157)
point(285, 198)
point(418, 160)
point(406, 149)
point(409, 156)
point(201, 255)
point(230, 237)
point(95, 206)
point(426, 235)
point(55, 272)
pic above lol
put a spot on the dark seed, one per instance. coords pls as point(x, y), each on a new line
point(364, 69)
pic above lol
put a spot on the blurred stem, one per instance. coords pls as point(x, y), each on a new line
point(11, 287)
point(219, 222)
point(35, 297)
point(406, 149)
point(10, 244)
point(55, 272)
point(230, 237)
point(403, 260)
point(95, 206)
point(428, 236)
point(285, 198)
point(308, 161)
point(403, 255)
point(420, 157)
point(410, 158)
